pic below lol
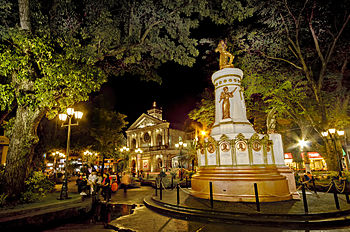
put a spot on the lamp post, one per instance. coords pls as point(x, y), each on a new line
point(302, 143)
point(63, 117)
point(180, 146)
point(123, 150)
point(56, 155)
point(333, 135)
point(90, 158)
point(138, 152)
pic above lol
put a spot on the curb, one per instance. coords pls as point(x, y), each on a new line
point(16, 212)
point(39, 218)
point(331, 219)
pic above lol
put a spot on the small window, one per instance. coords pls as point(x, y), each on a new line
point(146, 137)
point(133, 144)
point(159, 140)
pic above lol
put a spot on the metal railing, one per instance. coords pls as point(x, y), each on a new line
point(332, 185)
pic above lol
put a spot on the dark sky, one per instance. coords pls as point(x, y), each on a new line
point(178, 93)
point(181, 86)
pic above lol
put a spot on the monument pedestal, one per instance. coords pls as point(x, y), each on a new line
point(234, 156)
point(288, 173)
point(237, 184)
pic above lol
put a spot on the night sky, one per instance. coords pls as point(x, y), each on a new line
point(178, 93)
point(181, 86)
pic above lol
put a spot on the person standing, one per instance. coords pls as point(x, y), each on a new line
point(78, 181)
point(98, 182)
point(126, 180)
point(92, 182)
point(106, 187)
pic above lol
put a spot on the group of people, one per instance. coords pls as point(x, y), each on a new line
point(94, 184)
point(307, 177)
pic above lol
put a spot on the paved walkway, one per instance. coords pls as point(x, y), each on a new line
point(48, 202)
point(317, 203)
point(46, 212)
point(145, 220)
point(132, 196)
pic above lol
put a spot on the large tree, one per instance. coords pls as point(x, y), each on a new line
point(299, 62)
point(295, 58)
point(55, 53)
point(100, 130)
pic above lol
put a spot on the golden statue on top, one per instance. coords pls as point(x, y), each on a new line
point(226, 58)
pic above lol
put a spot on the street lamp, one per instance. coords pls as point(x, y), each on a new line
point(124, 150)
point(138, 150)
point(334, 134)
point(303, 143)
point(89, 157)
point(180, 146)
point(56, 155)
point(63, 117)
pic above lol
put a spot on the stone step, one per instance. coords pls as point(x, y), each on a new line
point(339, 218)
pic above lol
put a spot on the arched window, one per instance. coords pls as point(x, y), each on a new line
point(133, 144)
point(147, 138)
point(160, 163)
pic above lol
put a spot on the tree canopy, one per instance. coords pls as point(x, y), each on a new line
point(294, 55)
point(298, 62)
point(55, 53)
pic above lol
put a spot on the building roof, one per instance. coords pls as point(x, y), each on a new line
point(153, 118)
point(145, 120)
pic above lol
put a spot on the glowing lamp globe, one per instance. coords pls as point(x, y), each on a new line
point(62, 117)
point(78, 114)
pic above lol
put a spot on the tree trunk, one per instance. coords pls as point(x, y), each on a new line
point(331, 159)
point(24, 16)
point(23, 137)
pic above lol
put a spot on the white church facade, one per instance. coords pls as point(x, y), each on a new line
point(152, 142)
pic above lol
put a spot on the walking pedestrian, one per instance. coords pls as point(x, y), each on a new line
point(126, 180)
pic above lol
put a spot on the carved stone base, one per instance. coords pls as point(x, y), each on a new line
point(236, 184)
point(288, 173)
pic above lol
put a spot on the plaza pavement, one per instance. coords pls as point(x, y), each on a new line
point(144, 219)
point(165, 215)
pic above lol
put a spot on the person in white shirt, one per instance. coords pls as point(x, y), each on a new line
point(92, 182)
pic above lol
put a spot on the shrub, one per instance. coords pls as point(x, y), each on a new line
point(37, 186)
point(28, 197)
point(165, 180)
point(2, 175)
point(297, 178)
point(173, 172)
point(347, 176)
point(162, 174)
point(190, 173)
point(3, 197)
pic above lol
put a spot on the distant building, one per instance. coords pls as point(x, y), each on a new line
point(317, 162)
point(4, 145)
point(156, 138)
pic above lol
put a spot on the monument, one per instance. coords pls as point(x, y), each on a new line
point(234, 157)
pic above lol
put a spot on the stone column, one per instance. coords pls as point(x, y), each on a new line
point(228, 92)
